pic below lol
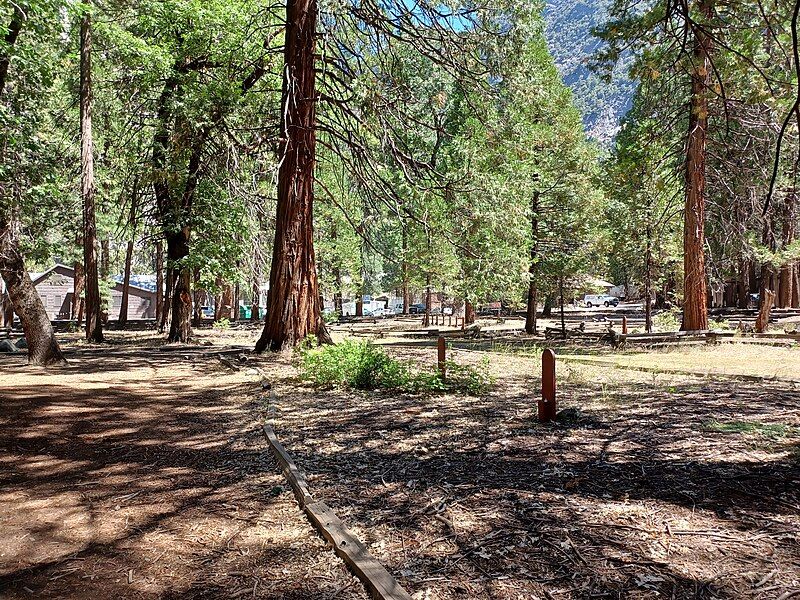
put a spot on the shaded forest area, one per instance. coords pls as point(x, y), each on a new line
point(336, 153)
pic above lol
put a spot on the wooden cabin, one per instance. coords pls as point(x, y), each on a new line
point(56, 288)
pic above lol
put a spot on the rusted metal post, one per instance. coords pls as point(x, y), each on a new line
point(624, 325)
point(547, 404)
point(442, 363)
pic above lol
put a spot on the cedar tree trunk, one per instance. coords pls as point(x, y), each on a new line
point(293, 305)
point(469, 312)
point(180, 327)
point(42, 344)
point(78, 288)
point(695, 295)
point(94, 326)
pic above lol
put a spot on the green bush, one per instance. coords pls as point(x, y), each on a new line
point(364, 366)
point(331, 317)
point(222, 324)
point(668, 320)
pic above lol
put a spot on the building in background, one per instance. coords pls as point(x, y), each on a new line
point(56, 287)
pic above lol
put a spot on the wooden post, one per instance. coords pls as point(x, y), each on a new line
point(547, 404)
point(442, 363)
point(624, 325)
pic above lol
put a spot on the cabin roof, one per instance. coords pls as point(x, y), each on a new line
point(37, 278)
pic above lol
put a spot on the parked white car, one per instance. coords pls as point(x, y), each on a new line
point(600, 300)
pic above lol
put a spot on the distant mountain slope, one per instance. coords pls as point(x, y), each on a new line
point(569, 24)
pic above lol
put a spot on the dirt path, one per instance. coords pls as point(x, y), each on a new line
point(143, 475)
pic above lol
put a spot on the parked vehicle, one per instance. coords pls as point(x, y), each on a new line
point(600, 300)
point(416, 309)
point(495, 309)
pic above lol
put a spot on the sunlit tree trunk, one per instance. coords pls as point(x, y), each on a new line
point(180, 325)
point(42, 344)
point(94, 325)
point(293, 303)
point(78, 288)
point(695, 301)
point(469, 312)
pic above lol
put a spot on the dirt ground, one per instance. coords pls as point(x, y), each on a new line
point(666, 486)
point(143, 474)
point(136, 474)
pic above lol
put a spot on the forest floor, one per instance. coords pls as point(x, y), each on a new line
point(667, 485)
point(136, 474)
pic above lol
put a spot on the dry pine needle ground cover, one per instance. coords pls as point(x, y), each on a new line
point(143, 474)
point(132, 474)
point(667, 486)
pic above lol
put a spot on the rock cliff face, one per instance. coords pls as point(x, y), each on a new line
point(569, 24)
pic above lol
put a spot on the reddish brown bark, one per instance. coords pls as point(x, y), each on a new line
point(469, 313)
point(78, 286)
point(767, 300)
point(695, 287)
point(94, 325)
point(180, 326)
point(43, 347)
point(293, 305)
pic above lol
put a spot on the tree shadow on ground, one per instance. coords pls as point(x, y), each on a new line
point(649, 492)
point(144, 474)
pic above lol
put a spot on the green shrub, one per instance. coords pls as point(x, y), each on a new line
point(364, 366)
point(331, 317)
point(222, 324)
point(668, 320)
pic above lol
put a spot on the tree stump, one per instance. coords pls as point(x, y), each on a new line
point(762, 322)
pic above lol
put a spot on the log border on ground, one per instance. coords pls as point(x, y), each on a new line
point(380, 584)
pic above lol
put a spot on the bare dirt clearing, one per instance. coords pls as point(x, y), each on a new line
point(144, 475)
